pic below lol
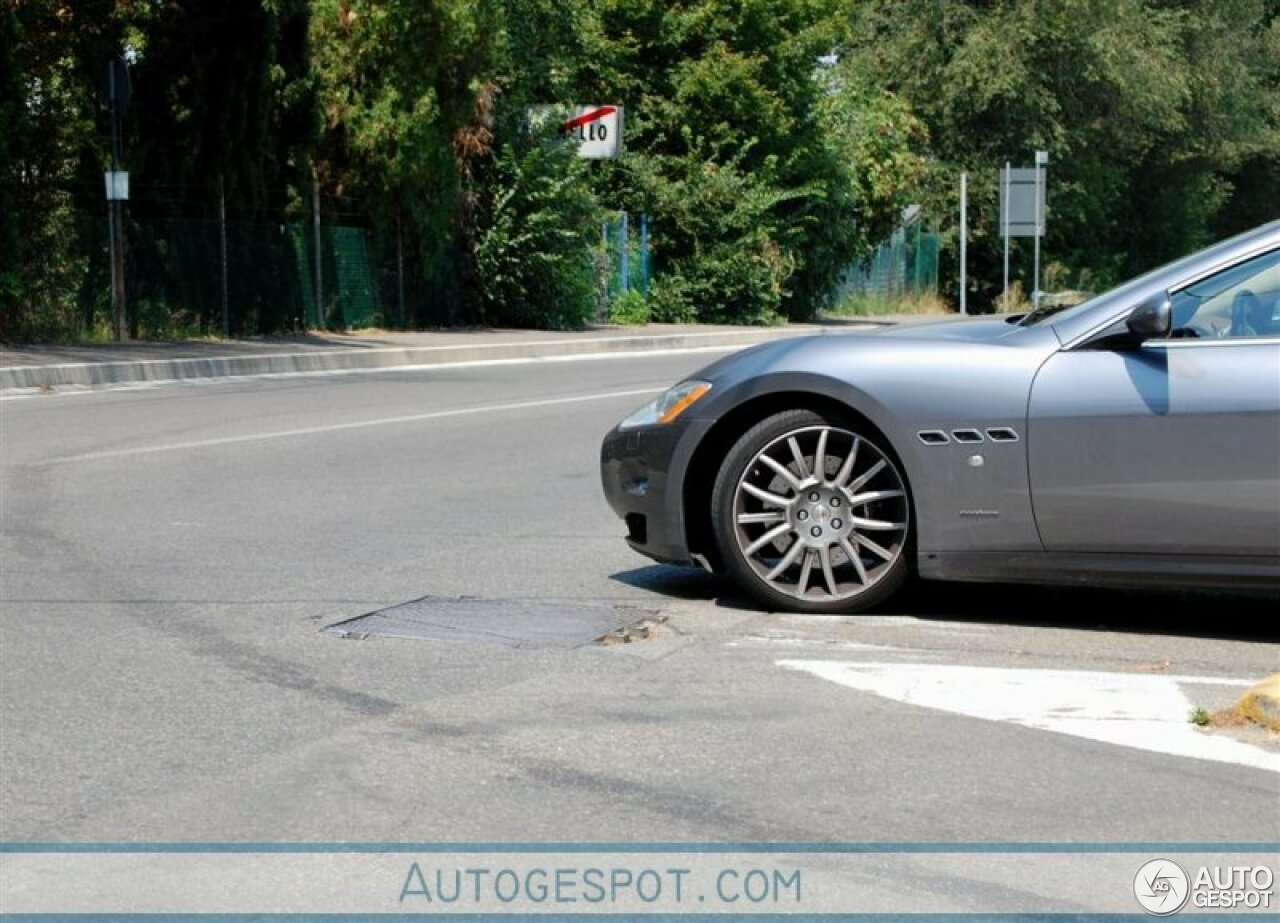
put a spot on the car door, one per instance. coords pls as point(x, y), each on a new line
point(1173, 446)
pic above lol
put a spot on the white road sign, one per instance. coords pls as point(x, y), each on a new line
point(596, 129)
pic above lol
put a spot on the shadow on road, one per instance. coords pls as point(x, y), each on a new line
point(1238, 615)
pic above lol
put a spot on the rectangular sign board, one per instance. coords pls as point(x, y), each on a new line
point(117, 185)
point(1018, 212)
point(597, 130)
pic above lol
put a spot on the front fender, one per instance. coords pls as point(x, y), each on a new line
point(967, 495)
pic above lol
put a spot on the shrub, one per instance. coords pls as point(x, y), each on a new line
point(629, 308)
point(533, 244)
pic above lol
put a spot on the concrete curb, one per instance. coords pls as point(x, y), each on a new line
point(1261, 703)
point(325, 360)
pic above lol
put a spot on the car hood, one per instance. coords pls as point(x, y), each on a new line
point(952, 328)
point(898, 343)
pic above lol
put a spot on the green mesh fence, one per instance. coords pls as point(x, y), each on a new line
point(624, 242)
point(906, 265)
point(182, 279)
point(355, 295)
point(191, 276)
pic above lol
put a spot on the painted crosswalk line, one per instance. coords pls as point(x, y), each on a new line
point(1130, 710)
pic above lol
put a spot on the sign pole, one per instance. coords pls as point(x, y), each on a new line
point(116, 326)
point(1004, 228)
point(1042, 158)
point(964, 241)
point(116, 214)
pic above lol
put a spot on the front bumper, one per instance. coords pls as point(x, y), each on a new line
point(643, 473)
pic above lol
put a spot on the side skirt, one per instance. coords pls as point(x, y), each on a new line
point(1143, 570)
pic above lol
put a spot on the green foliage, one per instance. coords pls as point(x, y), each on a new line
point(733, 152)
point(532, 246)
point(44, 116)
point(629, 308)
point(763, 172)
point(1151, 112)
point(406, 117)
point(715, 241)
point(878, 144)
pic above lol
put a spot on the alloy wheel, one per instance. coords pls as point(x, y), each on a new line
point(821, 514)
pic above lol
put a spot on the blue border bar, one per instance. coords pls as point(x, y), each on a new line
point(597, 918)
point(625, 848)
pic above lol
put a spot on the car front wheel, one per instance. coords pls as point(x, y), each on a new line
point(812, 515)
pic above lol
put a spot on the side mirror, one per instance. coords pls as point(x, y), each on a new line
point(1153, 319)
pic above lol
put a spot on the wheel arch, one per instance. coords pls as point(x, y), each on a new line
point(704, 463)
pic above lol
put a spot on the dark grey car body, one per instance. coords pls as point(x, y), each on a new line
point(1057, 451)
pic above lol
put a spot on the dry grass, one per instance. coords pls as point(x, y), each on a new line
point(1229, 718)
point(878, 306)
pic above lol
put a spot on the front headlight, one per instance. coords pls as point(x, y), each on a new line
point(670, 405)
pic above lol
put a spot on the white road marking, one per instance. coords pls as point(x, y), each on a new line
point(886, 621)
point(1130, 710)
point(14, 394)
point(764, 641)
point(340, 427)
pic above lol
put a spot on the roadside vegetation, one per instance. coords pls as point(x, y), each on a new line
point(872, 305)
point(770, 144)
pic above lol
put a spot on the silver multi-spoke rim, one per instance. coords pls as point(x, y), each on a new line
point(821, 514)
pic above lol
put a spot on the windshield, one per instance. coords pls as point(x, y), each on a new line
point(1239, 301)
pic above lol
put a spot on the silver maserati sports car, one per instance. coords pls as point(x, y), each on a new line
point(1133, 439)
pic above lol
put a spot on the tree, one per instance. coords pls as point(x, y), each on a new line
point(735, 151)
point(46, 112)
point(1148, 109)
point(406, 103)
point(532, 244)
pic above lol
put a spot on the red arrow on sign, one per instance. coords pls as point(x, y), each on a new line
point(587, 117)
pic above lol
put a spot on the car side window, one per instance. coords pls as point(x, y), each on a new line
point(1240, 302)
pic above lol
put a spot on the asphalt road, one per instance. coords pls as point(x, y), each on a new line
point(169, 557)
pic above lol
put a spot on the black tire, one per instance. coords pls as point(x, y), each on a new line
point(809, 566)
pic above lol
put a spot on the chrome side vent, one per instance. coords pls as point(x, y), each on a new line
point(1002, 434)
point(933, 437)
point(966, 435)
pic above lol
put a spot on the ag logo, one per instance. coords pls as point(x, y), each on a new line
point(1161, 887)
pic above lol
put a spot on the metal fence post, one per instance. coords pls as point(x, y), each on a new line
point(222, 240)
point(400, 268)
point(644, 253)
point(624, 267)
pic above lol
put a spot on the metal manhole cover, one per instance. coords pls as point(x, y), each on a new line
point(509, 622)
